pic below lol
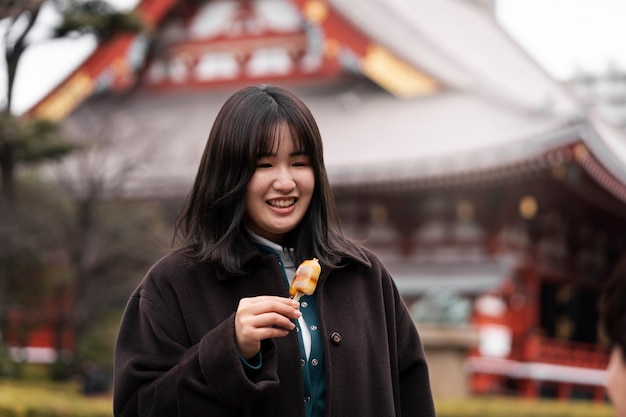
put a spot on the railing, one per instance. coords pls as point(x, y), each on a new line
point(564, 352)
point(544, 364)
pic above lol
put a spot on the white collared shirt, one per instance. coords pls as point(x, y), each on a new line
point(290, 271)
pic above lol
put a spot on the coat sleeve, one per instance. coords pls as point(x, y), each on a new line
point(415, 393)
point(158, 374)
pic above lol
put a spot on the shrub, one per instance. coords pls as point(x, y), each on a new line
point(517, 407)
point(39, 399)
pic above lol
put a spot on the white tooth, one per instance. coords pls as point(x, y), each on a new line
point(282, 203)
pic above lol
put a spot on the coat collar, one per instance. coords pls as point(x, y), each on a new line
point(252, 258)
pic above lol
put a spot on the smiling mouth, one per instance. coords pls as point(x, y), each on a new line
point(283, 203)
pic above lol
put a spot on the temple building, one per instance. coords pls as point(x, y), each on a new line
point(451, 153)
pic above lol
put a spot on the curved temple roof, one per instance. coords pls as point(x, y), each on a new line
point(498, 109)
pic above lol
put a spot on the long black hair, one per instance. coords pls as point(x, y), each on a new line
point(210, 225)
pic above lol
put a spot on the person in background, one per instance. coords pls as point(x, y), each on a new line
point(211, 329)
point(613, 321)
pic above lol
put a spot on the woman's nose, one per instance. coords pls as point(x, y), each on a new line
point(284, 180)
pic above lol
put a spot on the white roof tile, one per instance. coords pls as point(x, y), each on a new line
point(369, 135)
point(500, 109)
point(462, 44)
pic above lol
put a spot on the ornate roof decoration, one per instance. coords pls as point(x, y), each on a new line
point(467, 104)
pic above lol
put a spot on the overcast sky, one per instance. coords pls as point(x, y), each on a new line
point(564, 36)
point(567, 36)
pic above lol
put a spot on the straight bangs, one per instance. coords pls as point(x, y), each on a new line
point(269, 135)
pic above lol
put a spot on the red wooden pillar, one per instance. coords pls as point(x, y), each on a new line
point(532, 308)
point(599, 394)
point(529, 388)
point(564, 391)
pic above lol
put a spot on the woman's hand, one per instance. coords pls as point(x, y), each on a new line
point(263, 317)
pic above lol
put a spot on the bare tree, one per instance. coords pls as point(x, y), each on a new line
point(111, 238)
point(18, 19)
point(24, 141)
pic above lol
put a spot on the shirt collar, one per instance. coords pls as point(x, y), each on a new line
point(275, 247)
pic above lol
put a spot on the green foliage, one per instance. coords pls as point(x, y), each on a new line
point(31, 141)
point(99, 18)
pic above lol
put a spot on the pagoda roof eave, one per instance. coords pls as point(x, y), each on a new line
point(464, 46)
point(476, 56)
point(473, 168)
point(371, 139)
point(578, 143)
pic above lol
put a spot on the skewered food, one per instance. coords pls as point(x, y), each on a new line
point(305, 281)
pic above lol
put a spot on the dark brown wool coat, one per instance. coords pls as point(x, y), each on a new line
point(176, 353)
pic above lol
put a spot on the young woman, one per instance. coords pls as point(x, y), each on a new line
point(613, 321)
point(211, 330)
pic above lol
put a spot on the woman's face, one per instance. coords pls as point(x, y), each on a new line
point(280, 191)
point(616, 381)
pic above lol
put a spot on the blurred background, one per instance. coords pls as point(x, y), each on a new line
point(478, 146)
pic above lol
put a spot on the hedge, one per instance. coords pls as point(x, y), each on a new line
point(28, 399)
point(37, 399)
point(518, 407)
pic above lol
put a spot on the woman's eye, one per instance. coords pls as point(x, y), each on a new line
point(263, 165)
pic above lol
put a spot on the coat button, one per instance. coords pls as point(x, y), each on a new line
point(335, 338)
